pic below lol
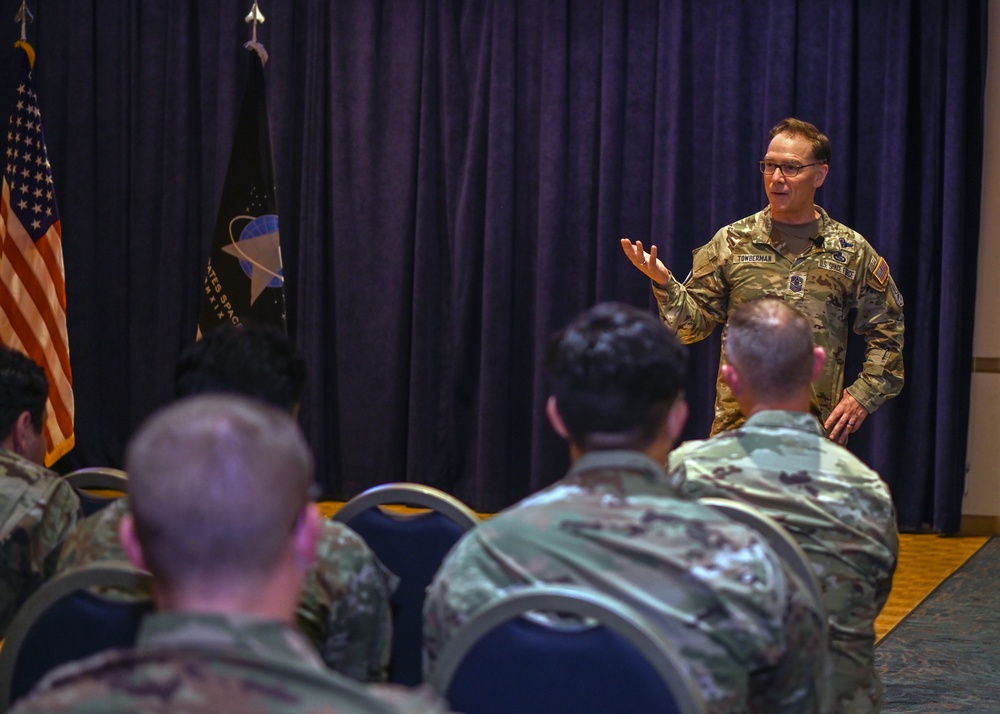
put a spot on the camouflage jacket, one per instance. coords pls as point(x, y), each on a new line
point(37, 509)
point(840, 272)
point(212, 664)
point(749, 634)
point(839, 511)
point(344, 608)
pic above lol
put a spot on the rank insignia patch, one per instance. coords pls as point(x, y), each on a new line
point(796, 282)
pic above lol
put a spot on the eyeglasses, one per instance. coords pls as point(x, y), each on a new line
point(787, 170)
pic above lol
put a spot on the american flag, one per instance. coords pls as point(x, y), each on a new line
point(32, 277)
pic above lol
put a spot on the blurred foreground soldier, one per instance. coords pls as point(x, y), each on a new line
point(345, 603)
point(837, 508)
point(752, 640)
point(222, 519)
point(794, 250)
point(37, 507)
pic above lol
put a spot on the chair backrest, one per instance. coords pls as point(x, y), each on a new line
point(780, 540)
point(412, 546)
point(608, 658)
point(66, 620)
point(101, 478)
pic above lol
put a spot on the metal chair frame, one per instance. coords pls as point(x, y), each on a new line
point(780, 540)
point(581, 603)
point(112, 574)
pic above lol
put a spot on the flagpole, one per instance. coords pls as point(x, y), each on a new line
point(253, 19)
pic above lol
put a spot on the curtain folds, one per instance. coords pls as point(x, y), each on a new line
point(453, 179)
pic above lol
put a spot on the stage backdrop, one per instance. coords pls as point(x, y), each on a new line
point(453, 180)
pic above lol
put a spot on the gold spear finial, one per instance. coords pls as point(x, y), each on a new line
point(253, 19)
point(24, 16)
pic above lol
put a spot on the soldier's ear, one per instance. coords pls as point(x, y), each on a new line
point(306, 536)
point(130, 542)
point(820, 175)
point(555, 418)
point(731, 377)
point(677, 418)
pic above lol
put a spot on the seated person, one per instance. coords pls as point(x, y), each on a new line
point(38, 507)
point(747, 627)
point(780, 461)
point(228, 563)
point(345, 604)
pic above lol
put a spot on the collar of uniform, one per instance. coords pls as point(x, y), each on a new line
point(776, 418)
point(762, 232)
point(243, 633)
point(619, 460)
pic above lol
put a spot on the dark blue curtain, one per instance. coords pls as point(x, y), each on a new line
point(453, 180)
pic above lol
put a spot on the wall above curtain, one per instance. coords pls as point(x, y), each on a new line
point(453, 180)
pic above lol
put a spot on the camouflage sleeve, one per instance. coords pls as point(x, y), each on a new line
point(41, 513)
point(60, 513)
point(880, 321)
point(344, 607)
point(466, 581)
point(801, 680)
point(695, 308)
point(95, 538)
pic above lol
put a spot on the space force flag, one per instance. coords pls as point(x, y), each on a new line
point(32, 277)
point(245, 282)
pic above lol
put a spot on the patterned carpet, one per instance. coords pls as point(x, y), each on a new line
point(925, 561)
point(945, 657)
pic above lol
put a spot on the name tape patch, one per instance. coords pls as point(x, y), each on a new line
point(754, 258)
point(838, 268)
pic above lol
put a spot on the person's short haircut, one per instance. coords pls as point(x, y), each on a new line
point(255, 361)
point(821, 149)
point(217, 484)
point(616, 371)
point(23, 388)
point(770, 344)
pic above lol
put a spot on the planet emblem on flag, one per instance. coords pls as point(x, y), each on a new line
point(261, 226)
point(258, 252)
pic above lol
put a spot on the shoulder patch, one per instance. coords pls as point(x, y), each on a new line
point(881, 272)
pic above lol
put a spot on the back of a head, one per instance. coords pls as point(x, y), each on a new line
point(217, 483)
point(23, 388)
point(616, 372)
point(770, 344)
point(255, 361)
point(821, 148)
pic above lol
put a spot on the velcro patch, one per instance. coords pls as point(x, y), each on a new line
point(754, 258)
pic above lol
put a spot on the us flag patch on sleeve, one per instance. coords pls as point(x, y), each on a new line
point(881, 271)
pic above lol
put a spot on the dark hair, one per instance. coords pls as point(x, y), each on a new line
point(771, 344)
point(23, 388)
point(616, 371)
point(821, 149)
point(255, 361)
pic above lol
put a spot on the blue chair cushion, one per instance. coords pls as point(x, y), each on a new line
point(412, 547)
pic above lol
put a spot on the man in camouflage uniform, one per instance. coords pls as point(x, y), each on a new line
point(228, 563)
point(752, 638)
point(793, 250)
point(37, 507)
point(838, 509)
point(344, 608)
